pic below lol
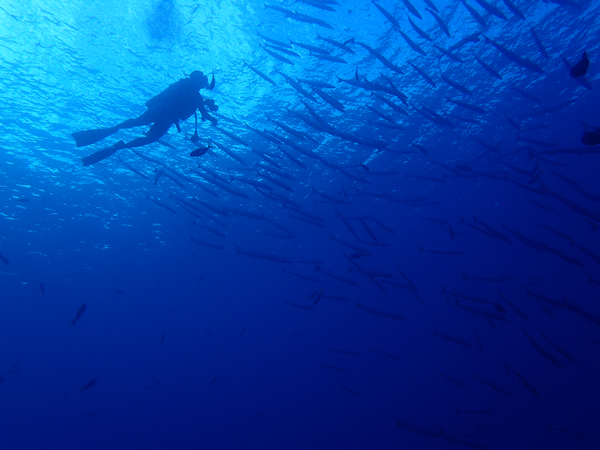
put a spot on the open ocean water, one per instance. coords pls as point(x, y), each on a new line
point(390, 243)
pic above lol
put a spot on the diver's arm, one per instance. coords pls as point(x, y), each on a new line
point(205, 115)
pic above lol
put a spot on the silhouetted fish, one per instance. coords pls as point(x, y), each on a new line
point(4, 260)
point(580, 69)
point(88, 385)
point(200, 151)
point(80, 312)
point(591, 137)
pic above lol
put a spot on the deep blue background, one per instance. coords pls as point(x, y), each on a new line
point(90, 235)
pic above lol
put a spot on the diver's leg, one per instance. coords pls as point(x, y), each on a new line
point(145, 119)
point(102, 154)
point(156, 131)
point(88, 137)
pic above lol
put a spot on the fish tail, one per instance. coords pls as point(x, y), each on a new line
point(73, 322)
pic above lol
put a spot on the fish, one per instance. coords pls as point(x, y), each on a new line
point(479, 345)
point(260, 255)
point(442, 251)
point(492, 9)
point(519, 60)
point(274, 41)
point(580, 69)
point(514, 307)
point(527, 95)
point(543, 352)
point(231, 154)
point(162, 205)
point(387, 15)
point(411, 8)
point(317, 4)
point(380, 313)
point(389, 355)
point(299, 17)
point(341, 45)
point(277, 56)
point(440, 21)
point(501, 309)
point(297, 87)
point(200, 151)
point(563, 429)
point(380, 57)
point(493, 385)
point(79, 313)
point(559, 349)
point(448, 54)
point(381, 114)
point(318, 297)
point(454, 339)
point(134, 170)
point(419, 31)
point(206, 244)
point(473, 410)
point(329, 99)
point(337, 277)
point(260, 74)
point(525, 383)
point(297, 305)
point(513, 9)
point(4, 259)
point(474, 108)
point(493, 72)
point(414, 429)
point(162, 339)
point(347, 389)
point(423, 74)
point(478, 17)
point(431, 5)
point(454, 381)
point(283, 50)
point(538, 43)
point(456, 85)
point(88, 385)
point(336, 368)
point(469, 38)
point(344, 352)
point(493, 278)
point(412, 44)
point(311, 48)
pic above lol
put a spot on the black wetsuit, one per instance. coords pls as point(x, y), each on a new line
point(178, 102)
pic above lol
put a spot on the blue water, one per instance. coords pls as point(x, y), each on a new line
point(193, 347)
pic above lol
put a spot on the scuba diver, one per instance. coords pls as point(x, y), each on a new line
point(178, 102)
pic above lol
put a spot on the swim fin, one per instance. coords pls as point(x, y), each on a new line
point(83, 138)
point(102, 154)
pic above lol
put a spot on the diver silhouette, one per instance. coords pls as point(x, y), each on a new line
point(178, 102)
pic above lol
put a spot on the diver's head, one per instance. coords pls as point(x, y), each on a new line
point(199, 79)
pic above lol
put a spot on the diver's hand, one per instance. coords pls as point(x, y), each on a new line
point(213, 121)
